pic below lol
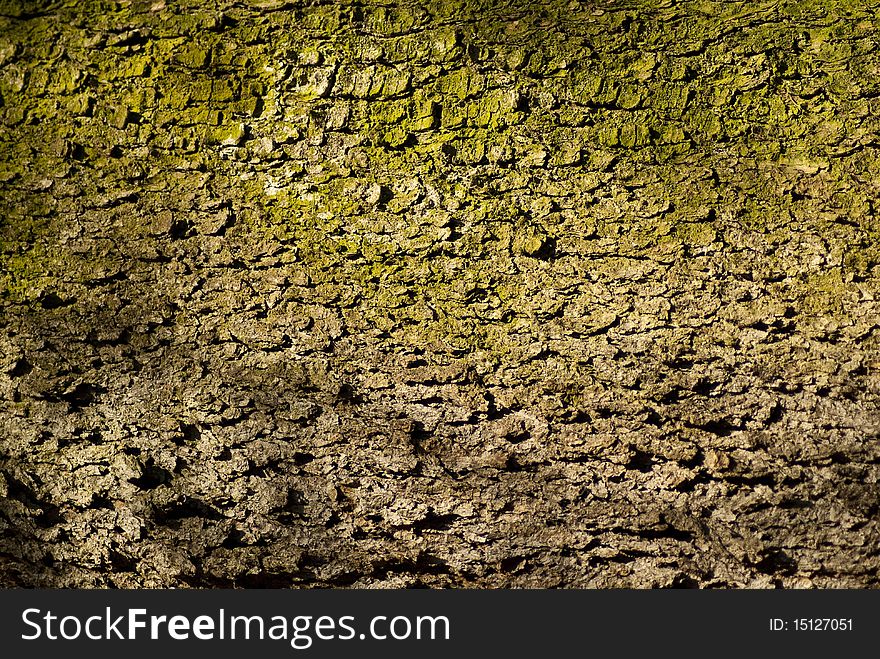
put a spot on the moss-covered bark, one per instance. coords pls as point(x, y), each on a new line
point(446, 293)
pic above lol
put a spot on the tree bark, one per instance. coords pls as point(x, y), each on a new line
point(445, 293)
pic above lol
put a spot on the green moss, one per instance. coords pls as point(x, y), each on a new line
point(349, 96)
point(194, 56)
point(824, 293)
point(230, 135)
point(22, 276)
point(697, 234)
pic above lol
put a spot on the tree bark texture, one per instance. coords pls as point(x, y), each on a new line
point(439, 293)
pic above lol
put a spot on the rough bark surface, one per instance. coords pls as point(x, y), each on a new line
point(440, 293)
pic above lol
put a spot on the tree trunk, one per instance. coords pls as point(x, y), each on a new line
point(444, 293)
